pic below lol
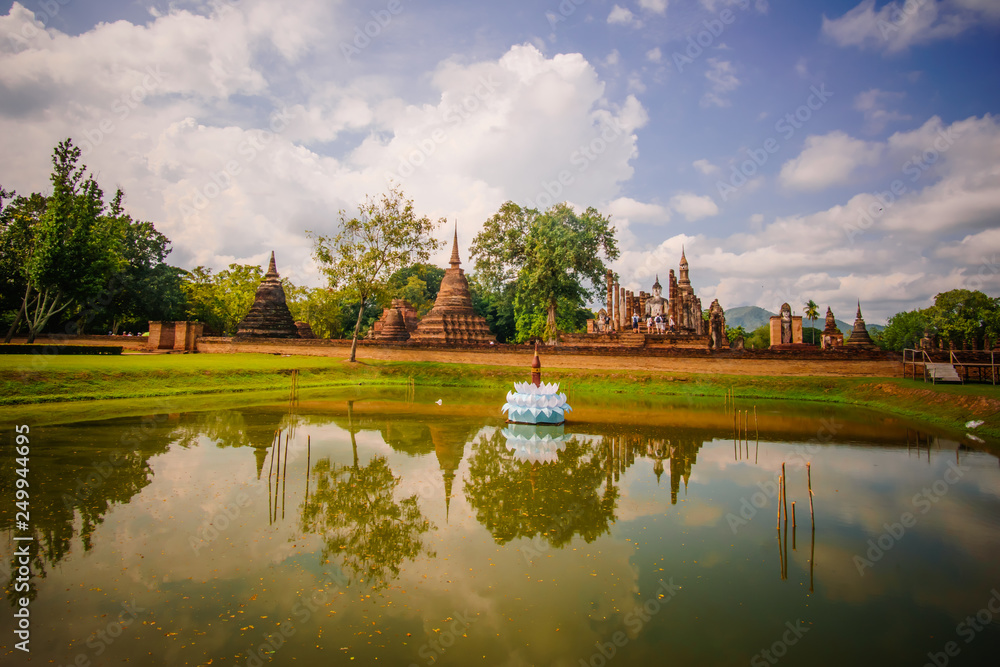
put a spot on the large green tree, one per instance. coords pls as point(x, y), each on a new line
point(528, 260)
point(75, 249)
point(811, 311)
point(965, 318)
point(904, 330)
point(18, 223)
point(383, 238)
point(221, 300)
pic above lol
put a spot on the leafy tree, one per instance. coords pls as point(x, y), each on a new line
point(222, 300)
point(18, 223)
point(811, 311)
point(904, 330)
point(759, 339)
point(146, 288)
point(383, 238)
point(496, 306)
point(551, 258)
point(418, 284)
point(75, 249)
point(732, 333)
point(965, 318)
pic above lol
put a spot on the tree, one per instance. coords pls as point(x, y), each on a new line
point(222, 300)
point(75, 248)
point(904, 330)
point(759, 338)
point(383, 238)
point(965, 318)
point(550, 258)
point(811, 311)
point(146, 288)
point(18, 224)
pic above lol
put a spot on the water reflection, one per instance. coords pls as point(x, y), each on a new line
point(434, 509)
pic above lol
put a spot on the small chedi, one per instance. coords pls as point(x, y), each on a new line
point(534, 402)
point(398, 322)
point(269, 316)
point(453, 319)
point(831, 336)
point(859, 339)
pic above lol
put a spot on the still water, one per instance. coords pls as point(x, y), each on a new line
point(383, 528)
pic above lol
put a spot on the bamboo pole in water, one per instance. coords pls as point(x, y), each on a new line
point(308, 455)
point(809, 477)
point(284, 479)
point(784, 492)
point(781, 490)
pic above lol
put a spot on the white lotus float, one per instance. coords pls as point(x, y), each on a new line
point(535, 444)
point(530, 404)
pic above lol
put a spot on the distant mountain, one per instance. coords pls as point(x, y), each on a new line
point(752, 317)
point(748, 317)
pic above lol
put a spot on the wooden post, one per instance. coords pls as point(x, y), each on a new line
point(809, 477)
point(784, 492)
point(781, 491)
point(793, 514)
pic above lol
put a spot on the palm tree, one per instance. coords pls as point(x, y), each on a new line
point(811, 311)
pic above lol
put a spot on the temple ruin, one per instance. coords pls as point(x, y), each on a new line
point(831, 337)
point(453, 319)
point(269, 316)
point(859, 338)
point(398, 322)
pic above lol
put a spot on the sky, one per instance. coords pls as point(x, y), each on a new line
point(824, 150)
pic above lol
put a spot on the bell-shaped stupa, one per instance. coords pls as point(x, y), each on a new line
point(859, 334)
point(269, 316)
point(453, 319)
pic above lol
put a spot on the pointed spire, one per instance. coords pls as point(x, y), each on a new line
point(449, 476)
point(455, 262)
point(859, 310)
point(657, 283)
point(272, 271)
point(683, 257)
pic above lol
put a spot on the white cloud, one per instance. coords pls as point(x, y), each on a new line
point(873, 104)
point(636, 211)
point(654, 6)
point(705, 167)
point(722, 79)
point(899, 25)
point(613, 58)
point(623, 16)
point(715, 6)
point(693, 207)
point(654, 55)
point(828, 160)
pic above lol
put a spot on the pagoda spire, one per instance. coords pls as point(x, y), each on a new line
point(858, 316)
point(455, 262)
point(272, 269)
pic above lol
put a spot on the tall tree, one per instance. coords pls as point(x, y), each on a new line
point(18, 223)
point(811, 311)
point(383, 238)
point(551, 258)
point(222, 300)
point(965, 318)
point(76, 249)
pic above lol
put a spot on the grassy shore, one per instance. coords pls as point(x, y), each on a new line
point(27, 380)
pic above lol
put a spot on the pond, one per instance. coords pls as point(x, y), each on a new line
point(380, 527)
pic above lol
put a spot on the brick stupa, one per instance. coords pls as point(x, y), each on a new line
point(859, 335)
point(269, 316)
point(452, 319)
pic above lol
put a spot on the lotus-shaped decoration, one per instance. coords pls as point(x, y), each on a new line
point(529, 404)
point(535, 444)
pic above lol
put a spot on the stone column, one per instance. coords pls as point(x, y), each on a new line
point(611, 312)
point(621, 315)
point(616, 317)
point(642, 305)
point(628, 309)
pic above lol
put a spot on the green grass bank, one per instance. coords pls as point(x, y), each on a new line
point(36, 379)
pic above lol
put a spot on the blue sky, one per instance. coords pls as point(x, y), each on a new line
point(832, 151)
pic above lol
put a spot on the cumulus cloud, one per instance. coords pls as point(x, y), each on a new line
point(828, 160)
point(193, 116)
point(705, 167)
point(899, 25)
point(623, 16)
point(654, 55)
point(694, 207)
point(654, 6)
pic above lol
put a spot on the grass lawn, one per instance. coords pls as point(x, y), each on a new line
point(34, 379)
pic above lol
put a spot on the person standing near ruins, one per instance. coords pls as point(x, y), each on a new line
point(635, 323)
